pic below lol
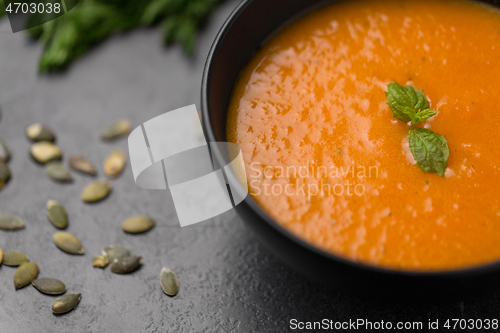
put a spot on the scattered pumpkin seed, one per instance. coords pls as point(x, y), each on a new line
point(115, 162)
point(113, 252)
point(57, 214)
point(4, 174)
point(66, 303)
point(125, 265)
point(49, 286)
point(4, 152)
point(26, 273)
point(96, 191)
point(68, 243)
point(1, 256)
point(116, 130)
point(58, 172)
point(138, 224)
point(14, 258)
point(10, 222)
point(38, 132)
point(168, 281)
point(45, 151)
point(82, 165)
point(100, 261)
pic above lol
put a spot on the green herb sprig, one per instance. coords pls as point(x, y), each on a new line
point(2, 9)
point(408, 103)
point(91, 21)
point(429, 149)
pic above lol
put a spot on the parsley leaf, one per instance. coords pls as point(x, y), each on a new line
point(408, 103)
point(429, 149)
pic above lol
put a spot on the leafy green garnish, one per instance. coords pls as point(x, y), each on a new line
point(429, 149)
point(408, 103)
point(424, 115)
point(2, 9)
point(179, 19)
point(91, 21)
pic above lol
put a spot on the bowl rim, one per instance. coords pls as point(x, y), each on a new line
point(470, 271)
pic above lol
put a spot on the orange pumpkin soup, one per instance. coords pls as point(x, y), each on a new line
point(326, 159)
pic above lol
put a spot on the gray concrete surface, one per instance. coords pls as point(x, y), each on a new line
point(228, 281)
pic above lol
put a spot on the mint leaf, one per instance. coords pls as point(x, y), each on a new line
point(408, 103)
point(429, 149)
point(418, 100)
point(424, 115)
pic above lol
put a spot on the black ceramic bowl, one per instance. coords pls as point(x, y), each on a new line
point(244, 32)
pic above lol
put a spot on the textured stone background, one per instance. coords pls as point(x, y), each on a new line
point(228, 281)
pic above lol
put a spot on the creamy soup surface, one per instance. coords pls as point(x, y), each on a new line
point(325, 157)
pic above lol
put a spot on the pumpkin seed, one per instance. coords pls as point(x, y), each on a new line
point(1, 256)
point(4, 152)
point(4, 174)
point(10, 222)
point(169, 282)
point(113, 252)
point(57, 214)
point(14, 258)
point(115, 162)
point(49, 286)
point(82, 165)
point(138, 224)
point(45, 151)
point(66, 303)
point(68, 243)
point(116, 130)
point(26, 273)
point(100, 261)
point(125, 265)
point(38, 132)
point(96, 191)
point(58, 172)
